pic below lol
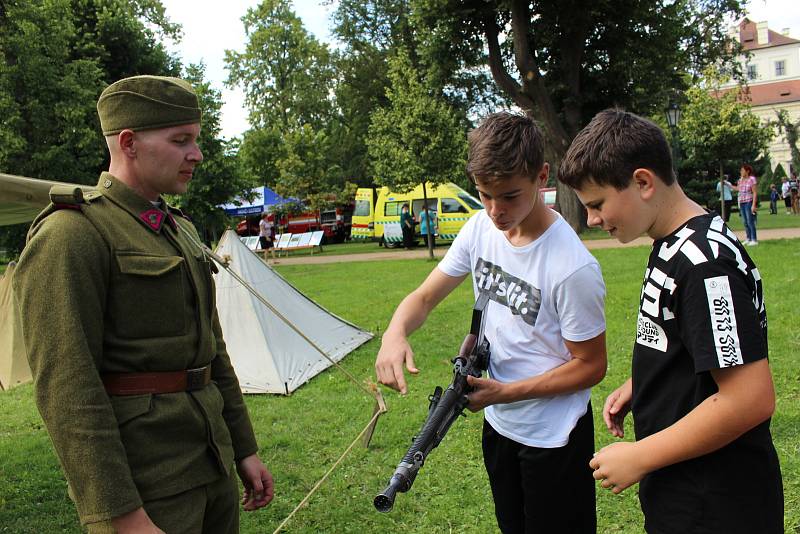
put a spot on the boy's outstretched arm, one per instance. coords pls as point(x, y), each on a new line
point(410, 315)
point(746, 397)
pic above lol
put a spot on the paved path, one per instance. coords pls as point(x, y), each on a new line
point(421, 252)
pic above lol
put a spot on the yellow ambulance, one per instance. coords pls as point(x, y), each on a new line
point(377, 211)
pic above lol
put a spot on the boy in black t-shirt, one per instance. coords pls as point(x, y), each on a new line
point(701, 390)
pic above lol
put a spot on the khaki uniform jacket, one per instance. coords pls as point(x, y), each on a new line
point(112, 287)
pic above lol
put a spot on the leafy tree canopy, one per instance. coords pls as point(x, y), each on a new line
point(284, 71)
point(218, 178)
point(790, 130)
point(56, 56)
point(563, 61)
point(718, 132)
point(418, 137)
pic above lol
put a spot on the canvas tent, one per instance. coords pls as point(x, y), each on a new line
point(14, 369)
point(21, 198)
point(267, 354)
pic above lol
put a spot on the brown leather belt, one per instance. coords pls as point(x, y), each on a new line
point(156, 382)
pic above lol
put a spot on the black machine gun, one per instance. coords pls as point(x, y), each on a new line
point(472, 359)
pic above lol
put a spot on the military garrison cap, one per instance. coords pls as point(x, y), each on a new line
point(146, 103)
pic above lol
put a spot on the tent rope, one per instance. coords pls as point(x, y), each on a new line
point(380, 405)
point(224, 264)
point(319, 483)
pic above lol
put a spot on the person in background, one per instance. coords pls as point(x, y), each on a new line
point(265, 235)
point(748, 202)
point(773, 200)
point(786, 194)
point(727, 197)
point(701, 390)
point(407, 226)
point(427, 226)
point(131, 375)
point(794, 192)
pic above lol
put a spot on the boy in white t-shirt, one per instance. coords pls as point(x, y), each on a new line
point(545, 322)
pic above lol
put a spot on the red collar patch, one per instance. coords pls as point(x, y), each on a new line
point(153, 218)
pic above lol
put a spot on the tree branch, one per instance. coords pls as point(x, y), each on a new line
point(533, 85)
point(499, 73)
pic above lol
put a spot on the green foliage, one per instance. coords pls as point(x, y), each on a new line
point(779, 173)
point(122, 36)
point(563, 61)
point(56, 56)
point(49, 95)
point(306, 170)
point(284, 71)
point(718, 133)
point(219, 178)
point(790, 131)
point(371, 31)
point(288, 78)
point(418, 137)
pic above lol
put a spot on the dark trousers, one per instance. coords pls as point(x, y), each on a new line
point(536, 490)
point(728, 205)
point(430, 240)
point(408, 237)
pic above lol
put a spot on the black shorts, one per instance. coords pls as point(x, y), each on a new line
point(266, 243)
point(539, 490)
point(678, 499)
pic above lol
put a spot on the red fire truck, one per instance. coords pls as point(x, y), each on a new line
point(335, 222)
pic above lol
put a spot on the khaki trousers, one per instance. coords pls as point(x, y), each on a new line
point(209, 509)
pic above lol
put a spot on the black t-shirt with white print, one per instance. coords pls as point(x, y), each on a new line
point(702, 308)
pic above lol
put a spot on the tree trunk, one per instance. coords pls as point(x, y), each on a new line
point(533, 96)
point(721, 192)
point(428, 240)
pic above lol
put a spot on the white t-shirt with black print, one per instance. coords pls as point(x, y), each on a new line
point(540, 294)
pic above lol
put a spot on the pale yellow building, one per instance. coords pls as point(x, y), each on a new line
point(773, 78)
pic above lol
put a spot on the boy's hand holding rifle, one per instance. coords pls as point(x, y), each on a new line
point(472, 360)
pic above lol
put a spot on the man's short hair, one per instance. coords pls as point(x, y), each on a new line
point(611, 147)
point(505, 145)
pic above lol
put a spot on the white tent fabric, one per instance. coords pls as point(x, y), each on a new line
point(14, 369)
point(267, 354)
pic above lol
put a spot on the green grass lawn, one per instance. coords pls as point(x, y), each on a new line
point(302, 435)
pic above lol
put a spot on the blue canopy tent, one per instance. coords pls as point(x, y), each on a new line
point(264, 198)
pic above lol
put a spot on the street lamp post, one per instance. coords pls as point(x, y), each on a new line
point(673, 113)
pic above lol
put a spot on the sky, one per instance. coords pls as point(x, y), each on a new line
point(210, 28)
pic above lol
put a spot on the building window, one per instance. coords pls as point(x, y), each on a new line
point(752, 72)
point(780, 68)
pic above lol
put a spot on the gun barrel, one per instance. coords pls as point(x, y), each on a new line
point(443, 410)
point(384, 501)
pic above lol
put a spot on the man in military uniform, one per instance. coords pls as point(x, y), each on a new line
point(131, 374)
